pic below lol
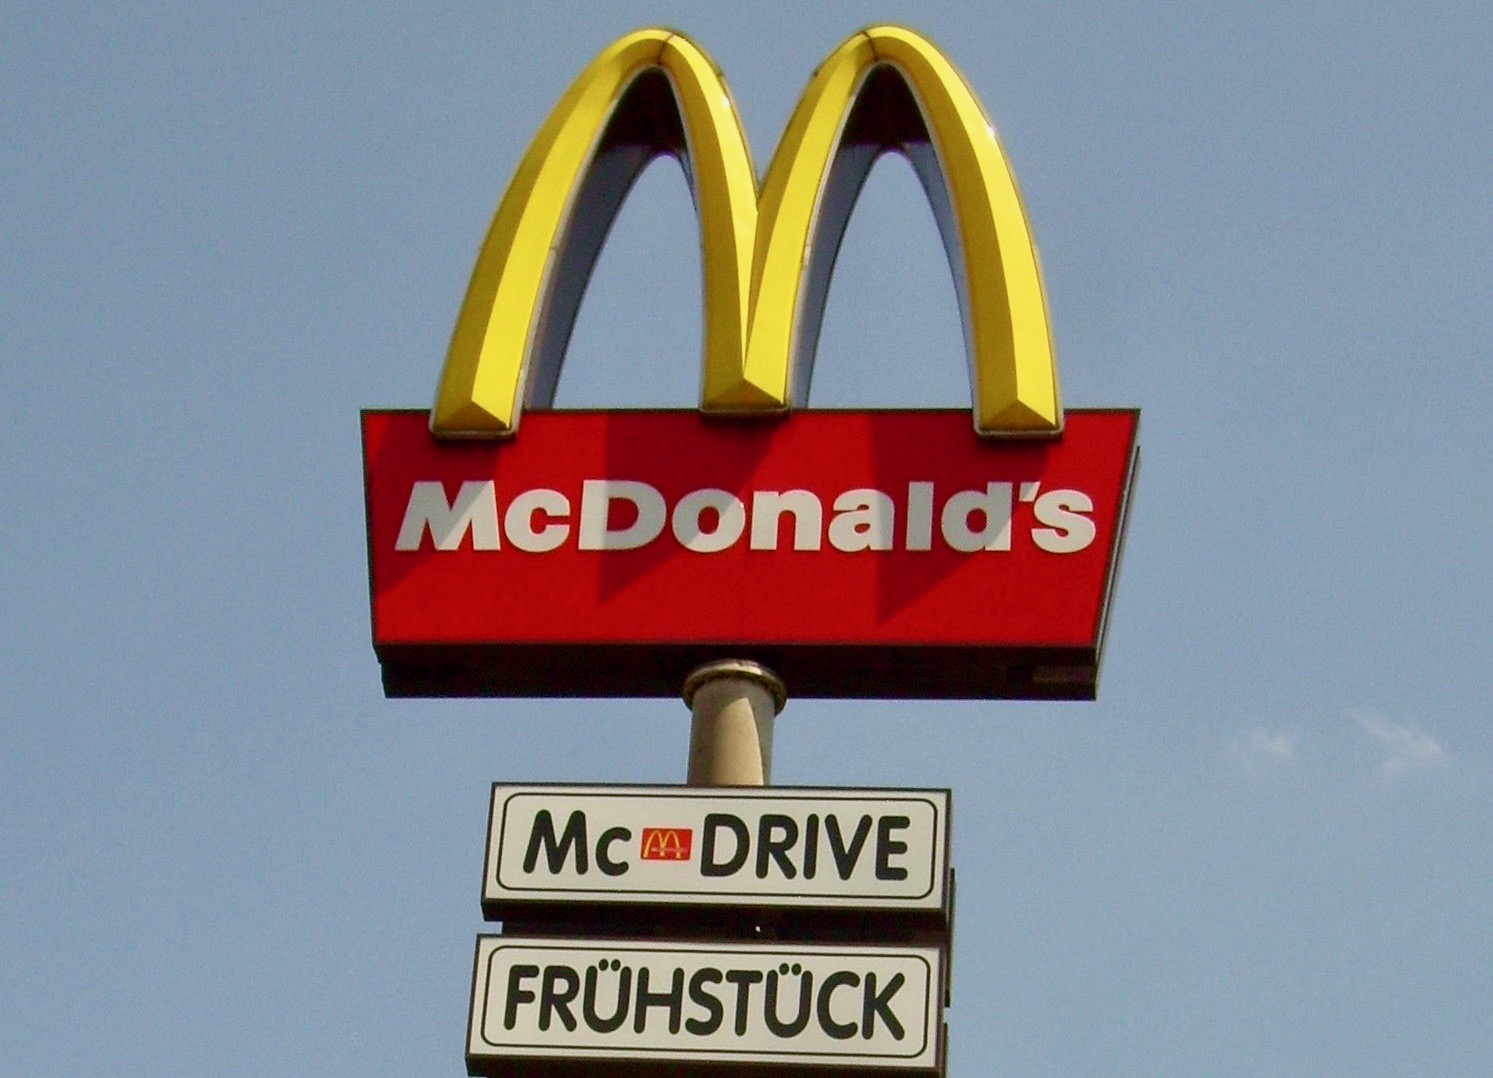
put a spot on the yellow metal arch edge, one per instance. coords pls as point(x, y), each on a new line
point(755, 262)
point(1013, 370)
point(513, 285)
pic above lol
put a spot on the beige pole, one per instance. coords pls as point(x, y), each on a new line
point(733, 704)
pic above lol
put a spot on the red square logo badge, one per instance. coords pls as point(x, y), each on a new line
point(667, 843)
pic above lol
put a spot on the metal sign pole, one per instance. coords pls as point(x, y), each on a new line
point(733, 704)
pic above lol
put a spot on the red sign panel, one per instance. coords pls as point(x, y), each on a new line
point(860, 554)
point(667, 843)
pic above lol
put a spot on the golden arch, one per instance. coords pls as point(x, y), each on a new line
point(766, 260)
point(664, 843)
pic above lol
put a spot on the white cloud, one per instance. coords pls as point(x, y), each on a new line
point(1407, 749)
point(1265, 750)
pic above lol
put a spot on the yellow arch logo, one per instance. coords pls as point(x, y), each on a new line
point(768, 255)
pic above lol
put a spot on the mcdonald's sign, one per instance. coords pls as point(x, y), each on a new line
point(858, 864)
point(546, 1006)
point(884, 553)
point(666, 843)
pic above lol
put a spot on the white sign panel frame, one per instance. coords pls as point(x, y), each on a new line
point(545, 1006)
point(762, 848)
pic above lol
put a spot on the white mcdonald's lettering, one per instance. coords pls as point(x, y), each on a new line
point(597, 496)
point(624, 514)
point(518, 521)
point(475, 509)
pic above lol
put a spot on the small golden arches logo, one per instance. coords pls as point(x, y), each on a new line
point(667, 843)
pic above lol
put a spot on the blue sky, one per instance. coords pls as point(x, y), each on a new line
point(1265, 849)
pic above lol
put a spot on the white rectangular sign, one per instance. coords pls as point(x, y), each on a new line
point(877, 850)
point(539, 1004)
